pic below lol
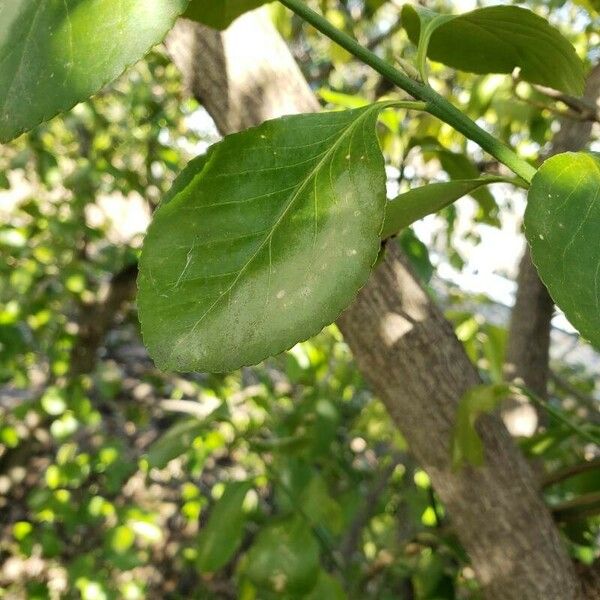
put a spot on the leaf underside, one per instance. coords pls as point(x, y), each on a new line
point(562, 225)
point(219, 14)
point(497, 39)
point(54, 54)
point(266, 244)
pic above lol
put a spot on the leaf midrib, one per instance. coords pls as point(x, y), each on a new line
point(284, 212)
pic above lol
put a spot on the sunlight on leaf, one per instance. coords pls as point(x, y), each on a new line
point(56, 54)
point(266, 244)
point(497, 39)
point(562, 225)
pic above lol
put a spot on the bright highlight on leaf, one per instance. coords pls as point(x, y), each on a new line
point(497, 39)
point(56, 54)
point(562, 225)
point(219, 14)
point(265, 243)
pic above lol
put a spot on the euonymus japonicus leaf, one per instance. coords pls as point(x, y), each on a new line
point(222, 534)
point(420, 202)
point(497, 39)
point(219, 14)
point(267, 243)
point(54, 54)
point(562, 225)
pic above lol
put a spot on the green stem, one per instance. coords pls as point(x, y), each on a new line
point(436, 105)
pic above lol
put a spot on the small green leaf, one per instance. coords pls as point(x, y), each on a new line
point(498, 39)
point(318, 505)
point(222, 534)
point(420, 202)
point(219, 14)
point(467, 447)
point(459, 166)
point(327, 588)
point(562, 225)
point(174, 442)
point(55, 54)
point(284, 558)
point(417, 253)
point(267, 243)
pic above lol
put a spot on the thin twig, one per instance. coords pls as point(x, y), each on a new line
point(587, 110)
point(570, 471)
point(586, 505)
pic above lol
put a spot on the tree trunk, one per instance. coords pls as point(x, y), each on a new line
point(527, 354)
point(400, 340)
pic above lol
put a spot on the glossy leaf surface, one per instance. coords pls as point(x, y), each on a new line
point(497, 39)
point(420, 202)
point(562, 224)
point(219, 14)
point(266, 244)
point(56, 54)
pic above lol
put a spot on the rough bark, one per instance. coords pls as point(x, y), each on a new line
point(419, 369)
point(529, 333)
point(401, 342)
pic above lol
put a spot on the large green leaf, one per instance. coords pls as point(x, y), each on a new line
point(497, 39)
point(54, 54)
point(219, 14)
point(420, 202)
point(562, 224)
point(268, 243)
point(222, 534)
point(284, 558)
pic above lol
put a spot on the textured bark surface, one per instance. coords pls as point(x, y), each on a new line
point(529, 332)
point(408, 351)
point(242, 76)
point(401, 342)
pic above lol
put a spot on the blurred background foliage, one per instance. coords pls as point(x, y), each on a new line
point(284, 480)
